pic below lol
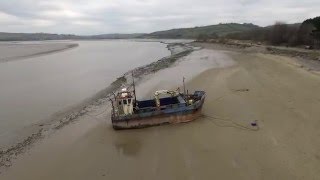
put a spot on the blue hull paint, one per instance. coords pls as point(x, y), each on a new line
point(172, 113)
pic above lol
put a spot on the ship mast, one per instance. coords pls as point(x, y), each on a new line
point(184, 86)
point(134, 88)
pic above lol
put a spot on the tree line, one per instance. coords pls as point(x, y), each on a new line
point(306, 33)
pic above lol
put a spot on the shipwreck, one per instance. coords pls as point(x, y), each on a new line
point(167, 107)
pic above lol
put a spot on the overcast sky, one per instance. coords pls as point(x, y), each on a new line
point(128, 16)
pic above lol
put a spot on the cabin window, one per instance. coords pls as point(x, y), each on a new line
point(124, 101)
point(129, 101)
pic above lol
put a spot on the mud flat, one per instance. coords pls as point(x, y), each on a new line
point(11, 51)
point(242, 88)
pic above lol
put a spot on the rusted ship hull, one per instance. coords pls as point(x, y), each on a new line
point(181, 114)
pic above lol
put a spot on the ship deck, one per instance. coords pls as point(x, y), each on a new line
point(150, 103)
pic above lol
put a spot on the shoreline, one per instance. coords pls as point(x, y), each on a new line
point(307, 59)
point(39, 130)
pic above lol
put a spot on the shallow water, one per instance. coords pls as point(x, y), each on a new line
point(35, 88)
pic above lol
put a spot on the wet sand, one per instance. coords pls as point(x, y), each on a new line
point(11, 51)
point(278, 94)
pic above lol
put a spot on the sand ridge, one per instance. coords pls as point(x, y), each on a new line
point(11, 51)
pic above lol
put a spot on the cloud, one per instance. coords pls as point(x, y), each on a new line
point(128, 16)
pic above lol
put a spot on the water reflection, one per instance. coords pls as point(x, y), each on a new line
point(128, 146)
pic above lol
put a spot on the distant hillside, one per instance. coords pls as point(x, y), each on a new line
point(44, 36)
point(34, 36)
point(187, 33)
point(261, 33)
point(193, 33)
point(116, 36)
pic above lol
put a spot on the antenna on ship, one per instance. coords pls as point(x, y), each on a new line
point(184, 86)
point(134, 88)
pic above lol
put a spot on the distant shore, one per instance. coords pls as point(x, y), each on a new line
point(12, 51)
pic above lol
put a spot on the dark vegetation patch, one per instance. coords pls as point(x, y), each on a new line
point(305, 34)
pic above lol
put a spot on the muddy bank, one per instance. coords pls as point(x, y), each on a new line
point(309, 59)
point(18, 51)
point(63, 118)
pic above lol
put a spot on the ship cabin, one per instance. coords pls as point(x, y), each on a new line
point(124, 102)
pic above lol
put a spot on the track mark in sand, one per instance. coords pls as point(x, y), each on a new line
point(233, 92)
point(241, 90)
point(273, 139)
point(187, 158)
point(155, 162)
point(235, 162)
point(204, 57)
